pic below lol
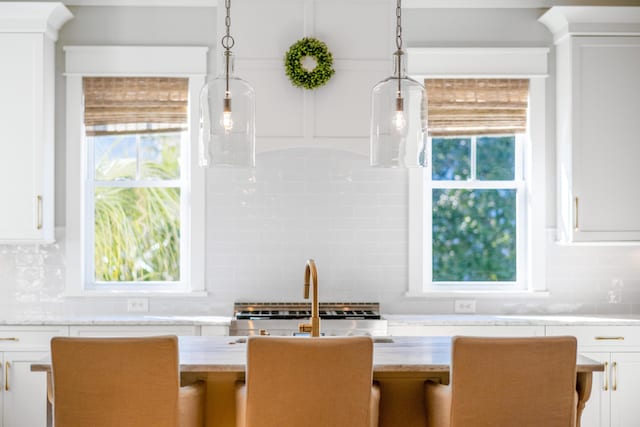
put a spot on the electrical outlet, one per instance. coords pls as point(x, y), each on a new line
point(140, 305)
point(464, 306)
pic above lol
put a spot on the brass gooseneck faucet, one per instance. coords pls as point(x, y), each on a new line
point(311, 277)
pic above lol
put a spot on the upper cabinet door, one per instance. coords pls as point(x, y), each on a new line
point(598, 125)
point(22, 140)
point(606, 138)
point(27, 35)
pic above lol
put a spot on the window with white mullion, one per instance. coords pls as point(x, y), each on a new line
point(473, 150)
point(475, 189)
point(476, 184)
point(134, 191)
point(137, 204)
point(483, 103)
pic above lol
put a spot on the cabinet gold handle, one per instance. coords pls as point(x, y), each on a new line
point(575, 223)
point(614, 370)
point(610, 338)
point(9, 339)
point(6, 375)
point(39, 225)
point(605, 386)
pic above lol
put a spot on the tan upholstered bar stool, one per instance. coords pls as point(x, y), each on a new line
point(507, 382)
point(310, 382)
point(122, 382)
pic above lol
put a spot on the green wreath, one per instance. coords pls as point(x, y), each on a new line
point(315, 49)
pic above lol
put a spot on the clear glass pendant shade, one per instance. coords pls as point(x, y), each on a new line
point(227, 120)
point(398, 121)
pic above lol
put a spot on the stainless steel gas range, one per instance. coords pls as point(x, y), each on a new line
point(337, 318)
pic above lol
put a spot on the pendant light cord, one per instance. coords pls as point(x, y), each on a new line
point(399, 52)
point(228, 42)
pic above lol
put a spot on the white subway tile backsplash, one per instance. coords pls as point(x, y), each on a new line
point(320, 203)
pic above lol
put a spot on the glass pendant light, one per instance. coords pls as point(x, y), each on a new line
point(398, 115)
point(227, 114)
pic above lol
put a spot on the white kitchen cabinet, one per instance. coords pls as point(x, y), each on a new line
point(597, 126)
point(613, 401)
point(28, 32)
point(598, 408)
point(23, 393)
point(625, 371)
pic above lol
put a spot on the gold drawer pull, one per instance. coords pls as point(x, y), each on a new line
point(6, 375)
point(9, 339)
point(614, 368)
point(605, 387)
point(610, 338)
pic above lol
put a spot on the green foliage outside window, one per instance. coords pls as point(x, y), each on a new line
point(474, 235)
point(474, 230)
point(496, 158)
point(137, 230)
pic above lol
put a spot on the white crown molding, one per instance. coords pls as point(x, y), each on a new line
point(33, 17)
point(509, 4)
point(143, 3)
point(591, 21)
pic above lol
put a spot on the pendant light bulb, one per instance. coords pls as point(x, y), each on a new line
point(399, 119)
point(226, 121)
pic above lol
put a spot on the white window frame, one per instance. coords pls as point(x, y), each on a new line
point(131, 61)
point(530, 63)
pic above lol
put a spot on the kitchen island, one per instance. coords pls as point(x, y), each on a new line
point(401, 366)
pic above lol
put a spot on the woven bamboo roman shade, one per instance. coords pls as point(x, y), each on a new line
point(120, 105)
point(458, 107)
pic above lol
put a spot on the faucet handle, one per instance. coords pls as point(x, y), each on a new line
point(305, 327)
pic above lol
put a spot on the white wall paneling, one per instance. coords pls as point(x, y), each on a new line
point(343, 109)
point(339, 23)
point(274, 118)
point(264, 31)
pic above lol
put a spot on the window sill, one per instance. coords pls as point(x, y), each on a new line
point(140, 293)
point(488, 294)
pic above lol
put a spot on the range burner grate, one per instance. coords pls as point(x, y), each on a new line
point(330, 310)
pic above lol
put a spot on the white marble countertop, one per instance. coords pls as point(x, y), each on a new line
point(397, 354)
point(393, 320)
point(514, 320)
point(140, 320)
